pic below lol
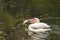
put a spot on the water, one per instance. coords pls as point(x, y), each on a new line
point(21, 34)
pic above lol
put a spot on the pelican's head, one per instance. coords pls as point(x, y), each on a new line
point(33, 20)
point(37, 20)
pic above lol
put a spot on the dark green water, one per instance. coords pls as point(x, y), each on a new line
point(17, 31)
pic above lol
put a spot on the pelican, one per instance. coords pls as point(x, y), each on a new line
point(36, 26)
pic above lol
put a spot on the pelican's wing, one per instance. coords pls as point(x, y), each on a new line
point(40, 25)
point(44, 25)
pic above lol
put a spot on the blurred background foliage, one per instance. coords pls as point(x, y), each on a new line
point(13, 12)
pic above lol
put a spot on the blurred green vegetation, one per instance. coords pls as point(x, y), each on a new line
point(13, 12)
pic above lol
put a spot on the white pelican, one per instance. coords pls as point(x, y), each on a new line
point(36, 26)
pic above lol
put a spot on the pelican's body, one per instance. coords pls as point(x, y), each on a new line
point(38, 27)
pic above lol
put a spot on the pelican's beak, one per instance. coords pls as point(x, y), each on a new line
point(25, 21)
